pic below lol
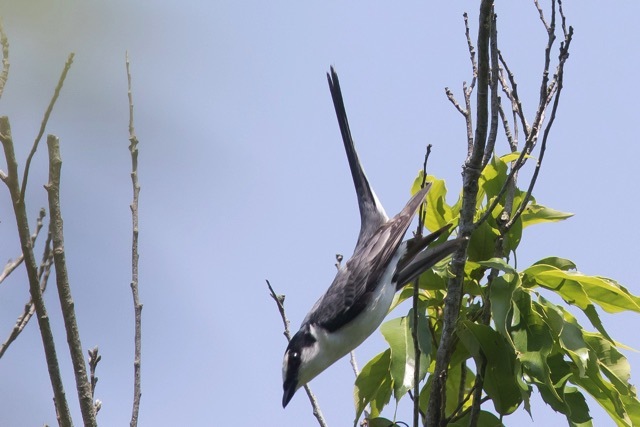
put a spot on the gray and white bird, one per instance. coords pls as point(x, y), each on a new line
point(360, 296)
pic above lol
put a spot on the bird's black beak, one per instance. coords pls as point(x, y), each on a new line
point(290, 387)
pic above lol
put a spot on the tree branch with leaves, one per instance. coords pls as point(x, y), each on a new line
point(495, 336)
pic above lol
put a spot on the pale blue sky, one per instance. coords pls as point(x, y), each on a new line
point(244, 178)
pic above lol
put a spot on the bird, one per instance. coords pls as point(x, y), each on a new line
point(360, 296)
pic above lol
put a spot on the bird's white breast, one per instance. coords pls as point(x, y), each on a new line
point(332, 346)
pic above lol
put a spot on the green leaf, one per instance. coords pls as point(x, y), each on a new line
point(604, 393)
point(514, 156)
point(553, 393)
point(581, 290)
point(632, 405)
point(454, 379)
point(559, 263)
point(482, 243)
point(499, 264)
point(374, 385)
point(424, 337)
point(499, 379)
point(397, 333)
point(485, 419)
point(514, 236)
point(381, 422)
point(614, 365)
point(571, 339)
point(534, 214)
point(502, 289)
point(493, 177)
point(577, 405)
point(534, 341)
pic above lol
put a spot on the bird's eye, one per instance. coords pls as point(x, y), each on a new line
point(295, 355)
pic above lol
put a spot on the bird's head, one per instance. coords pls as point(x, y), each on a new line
point(300, 362)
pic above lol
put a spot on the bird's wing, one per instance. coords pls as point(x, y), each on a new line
point(372, 214)
point(355, 283)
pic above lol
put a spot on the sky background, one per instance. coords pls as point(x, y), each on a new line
point(244, 178)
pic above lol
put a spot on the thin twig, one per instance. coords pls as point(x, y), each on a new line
point(137, 306)
point(511, 140)
point(514, 96)
point(279, 299)
point(469, 119)
point(43, 125)
point(454, 102)
point(94, 359)
point(551, 37)
point(466, 112)
point(4, 75)
point(541, 14)
point(461, 403)
point(463, 382)
point(564, 20)
point(64, 290)
point(415, 301)
point(22, 222)
point(12, 265)
point(472, 51)
point(564, 55)
point(29, 308)
point(531, 133)
point(466, 411)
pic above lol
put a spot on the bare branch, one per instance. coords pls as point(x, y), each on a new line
point(564, 20)
point(43, 125)
point(94, 359)
point(531, 133)
point(454, 102)
point(472, 51)
point(64, 290)
point(541, 13)
point(12, 265)
point(4, 75)
point(486, 313)
point(513, 143)
point(495, 99)
point(551, 34)
point(471, 174)
point(29, 308)
point(461, 403)
point(22, 222)
point(467, 102)
point(137, 306)
point(466, 112)
point(514, 96)
point(558, 81)
point(279, 299)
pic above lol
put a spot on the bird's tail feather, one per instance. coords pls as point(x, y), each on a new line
point(371, 211)
point(424, 260)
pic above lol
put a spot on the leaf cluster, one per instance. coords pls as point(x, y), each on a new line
point(509, 331)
